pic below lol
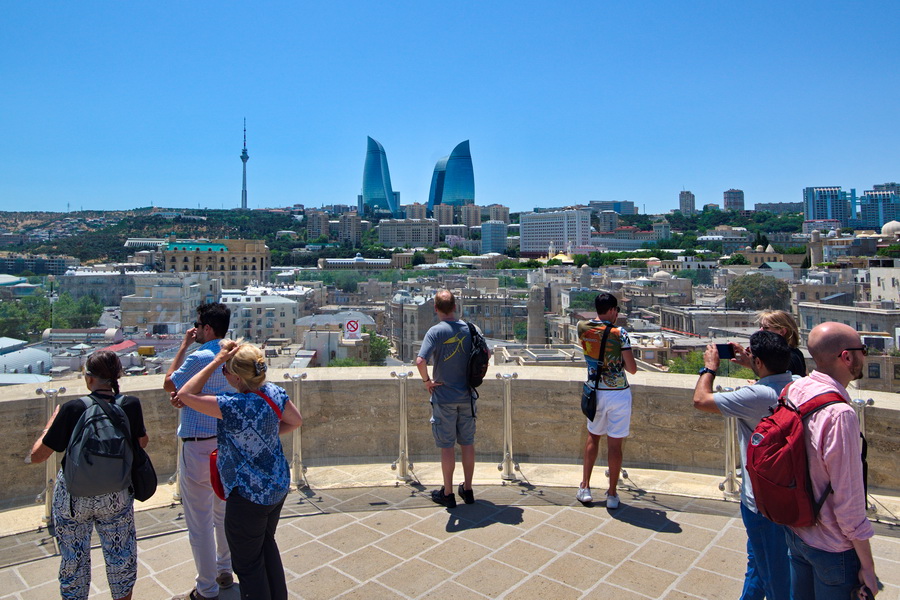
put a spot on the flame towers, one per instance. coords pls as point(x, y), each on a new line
point(453, 181)
point(377, 195)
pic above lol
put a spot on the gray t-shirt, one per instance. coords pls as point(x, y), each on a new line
point(749, 405)
point(447, 346)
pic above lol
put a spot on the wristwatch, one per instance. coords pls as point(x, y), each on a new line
point(706, 370)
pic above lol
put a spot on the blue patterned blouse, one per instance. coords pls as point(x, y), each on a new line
point(251, 460)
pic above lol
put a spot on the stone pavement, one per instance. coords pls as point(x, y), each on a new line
point(520, 540)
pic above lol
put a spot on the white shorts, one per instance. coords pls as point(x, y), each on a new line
point(613, 416)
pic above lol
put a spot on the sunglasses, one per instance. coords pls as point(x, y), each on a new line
point(198, 324)
point(864, 349)
point(225, 369)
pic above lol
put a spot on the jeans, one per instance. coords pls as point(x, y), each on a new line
point(820, 575)
point(250, 529)
point(768, 574)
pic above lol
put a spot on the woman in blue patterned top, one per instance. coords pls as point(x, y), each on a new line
point(254, 471)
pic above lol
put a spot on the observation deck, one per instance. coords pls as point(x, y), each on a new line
point(358, 528)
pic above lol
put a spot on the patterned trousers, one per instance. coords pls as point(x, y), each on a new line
point(75, 518)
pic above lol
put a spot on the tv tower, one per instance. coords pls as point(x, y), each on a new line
point(244, 158)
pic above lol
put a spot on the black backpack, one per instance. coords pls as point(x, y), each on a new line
point(479, 359)
point(99, 455)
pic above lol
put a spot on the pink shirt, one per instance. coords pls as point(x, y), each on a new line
point(833, 447)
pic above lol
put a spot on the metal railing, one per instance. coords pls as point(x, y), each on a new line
point(402, 465)
point(508, 464)
point(731, 485)
point(859, 405)
point(51, 396)
point(298, 469)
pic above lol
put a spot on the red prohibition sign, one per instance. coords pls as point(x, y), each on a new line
point(352, 326)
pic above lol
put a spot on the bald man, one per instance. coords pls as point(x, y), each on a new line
point(833, 557)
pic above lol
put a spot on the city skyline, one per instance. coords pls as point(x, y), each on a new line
point(124, 106)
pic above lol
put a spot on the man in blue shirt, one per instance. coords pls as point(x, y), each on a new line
point(204, 513)
point(448, 345)
point(768, 572)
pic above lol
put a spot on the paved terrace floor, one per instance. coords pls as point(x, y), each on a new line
point(356, 533)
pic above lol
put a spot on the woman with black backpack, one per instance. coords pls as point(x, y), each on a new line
point(100, 417)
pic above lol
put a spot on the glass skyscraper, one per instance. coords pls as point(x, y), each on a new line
point(377, 194)
point(453, 181)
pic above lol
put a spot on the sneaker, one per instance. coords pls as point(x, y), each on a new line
point(612, 501)
point(225, 580)
point(448, 500)
point(584, 495)
point(467, 495)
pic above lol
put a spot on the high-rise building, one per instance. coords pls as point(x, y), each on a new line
point(350, 229)
point(623, 207)
point(244, 158)
point(733, 199)
point(609, 220)
point(444, 214)
point(470, 215)
point(829, 203)
point(498, 212)
point(316, 225)
point(416, 211)
point(493, 237)
point(686, 203)
point(453, 180)
point(377, 194)
point(537, 231)
point(879, 205)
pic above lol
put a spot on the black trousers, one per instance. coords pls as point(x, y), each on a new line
point(250, 530)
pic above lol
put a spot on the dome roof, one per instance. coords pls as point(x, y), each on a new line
point(892, 228)
point(662, 275)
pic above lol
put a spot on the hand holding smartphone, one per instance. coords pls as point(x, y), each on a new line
point(726, 352)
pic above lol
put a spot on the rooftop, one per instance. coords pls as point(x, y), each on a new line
point(371, 538)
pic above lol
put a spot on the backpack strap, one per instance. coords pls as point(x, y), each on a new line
point(270, 403)
point(115, 418)
point(600, 356)
point(809, 408)
point(473, 393)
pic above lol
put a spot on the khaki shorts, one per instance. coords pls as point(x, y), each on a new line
point(452, 424)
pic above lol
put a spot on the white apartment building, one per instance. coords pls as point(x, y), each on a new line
point(259, 314)
point(563, 228)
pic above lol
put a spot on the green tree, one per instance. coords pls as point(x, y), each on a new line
point(520, 331)
point(736, 259)
point(758, 292)
point(379, 349)
point(698, 276)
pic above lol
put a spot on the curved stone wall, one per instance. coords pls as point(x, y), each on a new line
point(351, 416)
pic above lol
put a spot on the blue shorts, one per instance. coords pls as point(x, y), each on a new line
point(452, 424)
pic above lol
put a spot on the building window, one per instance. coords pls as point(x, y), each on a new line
point(874, 371)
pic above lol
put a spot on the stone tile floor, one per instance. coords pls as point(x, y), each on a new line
point(521, 540)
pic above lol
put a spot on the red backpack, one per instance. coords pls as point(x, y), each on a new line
point(778, 466)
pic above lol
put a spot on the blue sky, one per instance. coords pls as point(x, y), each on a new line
point(126, 104)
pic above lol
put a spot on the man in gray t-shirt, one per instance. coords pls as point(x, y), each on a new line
point(769, 355)
point(448, 345)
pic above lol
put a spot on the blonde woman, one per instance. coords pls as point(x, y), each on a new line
point(254, 471)
point(782, 323)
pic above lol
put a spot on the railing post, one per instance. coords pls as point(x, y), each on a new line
point(46, 496)
point(405, 466)
point(730, 485)
point(508, 463)
point(175, 479)
point(859, 405)
point(298, 469)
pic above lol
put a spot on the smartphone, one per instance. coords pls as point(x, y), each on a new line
point(726, 351)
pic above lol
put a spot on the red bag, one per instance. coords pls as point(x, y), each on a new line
point(777, 462)
point(214, 479)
